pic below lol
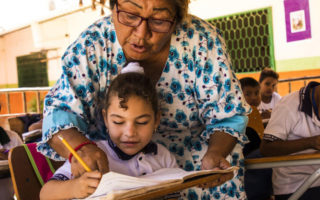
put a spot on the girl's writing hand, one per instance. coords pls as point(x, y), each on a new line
point(86, 184)
point(94, 157)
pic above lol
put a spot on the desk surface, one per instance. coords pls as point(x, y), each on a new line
point(4, 165)
point(4, 168)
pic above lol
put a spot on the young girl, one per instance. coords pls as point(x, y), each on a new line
point(131, 116)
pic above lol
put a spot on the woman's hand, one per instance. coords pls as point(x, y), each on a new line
point(86, 184)
point(93, 156)
point(220, 145)
point(212, 160)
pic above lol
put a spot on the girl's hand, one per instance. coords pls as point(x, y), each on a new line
point(94, 157)
point(86, 184)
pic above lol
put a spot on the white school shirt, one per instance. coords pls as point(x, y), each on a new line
point(267, 106)
point(140, 164)
point(288, 123)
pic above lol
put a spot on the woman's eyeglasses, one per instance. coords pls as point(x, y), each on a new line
point(132, 20)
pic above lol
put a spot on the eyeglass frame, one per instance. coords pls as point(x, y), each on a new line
point(146, 19)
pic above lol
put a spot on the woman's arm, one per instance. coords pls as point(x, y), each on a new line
point(71, 135)
point(221, 143)
point(220, 146)
point(93, 156)
point(281, 147)
point(75, 188)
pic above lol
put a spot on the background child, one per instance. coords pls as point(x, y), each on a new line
point(294, 128)
point(269, 98)
point(131, 116)
point(257, 183)
point(251, 91)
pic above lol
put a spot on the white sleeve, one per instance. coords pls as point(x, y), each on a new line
point(63, 173)
point(281, 121)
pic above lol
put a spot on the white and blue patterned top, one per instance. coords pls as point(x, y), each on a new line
point(198, 91)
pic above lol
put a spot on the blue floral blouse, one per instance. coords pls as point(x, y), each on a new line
point(198, 91)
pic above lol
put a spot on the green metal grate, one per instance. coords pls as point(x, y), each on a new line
point(249, 38)
point(32, 70)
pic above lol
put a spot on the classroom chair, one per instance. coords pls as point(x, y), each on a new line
point(29, 171)
point(255, 121)
point(288, 161)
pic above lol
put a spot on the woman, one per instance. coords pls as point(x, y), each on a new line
point(203, 110)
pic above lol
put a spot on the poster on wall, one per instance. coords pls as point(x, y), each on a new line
point(297, 19)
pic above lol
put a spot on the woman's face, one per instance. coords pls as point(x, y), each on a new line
point(268, 86)
point(140, 43)
point(130, 129)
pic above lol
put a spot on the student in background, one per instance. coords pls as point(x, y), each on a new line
point(269, 98)
point(8, 140)
point(131, 115)
point(294, 128)
point(257, 183)
point(251, 91)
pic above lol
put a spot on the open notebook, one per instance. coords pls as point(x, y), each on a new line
point(118, 186)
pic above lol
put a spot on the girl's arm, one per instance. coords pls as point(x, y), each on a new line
point(281, 147)
point(76, 188)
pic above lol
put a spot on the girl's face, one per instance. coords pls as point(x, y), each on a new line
point(130, 129)
point(268, 86)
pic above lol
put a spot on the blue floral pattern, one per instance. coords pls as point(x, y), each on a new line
point(198, 91)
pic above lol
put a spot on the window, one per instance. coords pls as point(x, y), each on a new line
point(249, 39)
point(32, 70)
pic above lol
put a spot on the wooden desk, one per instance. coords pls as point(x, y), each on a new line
point(289, 161)
point(4, 168)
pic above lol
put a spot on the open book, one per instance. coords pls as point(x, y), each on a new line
point(118, 186)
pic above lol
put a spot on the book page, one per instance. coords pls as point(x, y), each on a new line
point(113, 181)
point(114, 185)
point(178, 173)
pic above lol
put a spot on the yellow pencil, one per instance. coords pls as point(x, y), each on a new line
point(74, 153)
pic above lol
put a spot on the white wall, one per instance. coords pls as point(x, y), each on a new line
point(54, 34)
point(15, 44)
point(207, 9)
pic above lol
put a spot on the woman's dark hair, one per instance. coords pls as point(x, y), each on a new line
point(132, 84)
point(248, 81)
point(267, 72)
point(181, 7)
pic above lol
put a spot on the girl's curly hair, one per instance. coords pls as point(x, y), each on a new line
point(132, 84)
